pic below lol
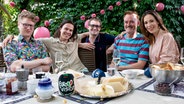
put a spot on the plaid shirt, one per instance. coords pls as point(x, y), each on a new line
point(22, 50)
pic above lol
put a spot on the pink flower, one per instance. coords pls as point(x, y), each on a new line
point(82, 17)
point(12, 4)
point(182, 8)
point(102, 11)
point(46, 23)
point(93, 15)
point(37, 19)
point(160, 6)
point(118, 3)
point(124, 0)
point(24, 10)
point(110, 7)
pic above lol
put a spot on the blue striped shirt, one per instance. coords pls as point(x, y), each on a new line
point(132, 49)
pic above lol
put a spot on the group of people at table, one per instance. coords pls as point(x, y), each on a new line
point(155, 44)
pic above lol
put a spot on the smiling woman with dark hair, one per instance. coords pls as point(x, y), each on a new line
point(74, 33)
point(66, 41)
point(163, 47)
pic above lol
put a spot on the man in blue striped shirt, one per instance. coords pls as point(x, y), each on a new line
point(132, 45)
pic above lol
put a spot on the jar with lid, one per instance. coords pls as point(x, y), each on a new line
point(45, 88)
point(11, 83)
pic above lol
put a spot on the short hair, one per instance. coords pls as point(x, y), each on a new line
point(131, 12)
point(27, 14)
point(57, 32)
point(95, 19)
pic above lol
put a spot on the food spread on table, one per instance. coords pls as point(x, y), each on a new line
point(168, 66)
point(75, 73)
point(109, 87)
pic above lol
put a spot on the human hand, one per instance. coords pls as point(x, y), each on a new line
point(88, 46)
point(121, 35)
point(9, 38)
point(15, 65)
point(110, 50)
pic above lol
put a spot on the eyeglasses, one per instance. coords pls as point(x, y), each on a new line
point(27, 25)
point(97, 26)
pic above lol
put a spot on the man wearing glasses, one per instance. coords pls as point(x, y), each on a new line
point(98, 41)
point(24, 50)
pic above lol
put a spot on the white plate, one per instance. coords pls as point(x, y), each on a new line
point(138, 71)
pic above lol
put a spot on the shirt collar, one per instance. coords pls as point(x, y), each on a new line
point(21, 38)
point(56, 40)
point(96, 40)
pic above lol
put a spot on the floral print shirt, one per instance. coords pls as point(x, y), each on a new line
point(20, 49)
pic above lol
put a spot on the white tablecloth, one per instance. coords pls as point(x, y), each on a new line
point(135, 97)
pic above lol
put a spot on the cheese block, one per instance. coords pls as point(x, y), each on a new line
point(117, 86)
point(114, 79)
point(101, 90)
point(118, 83)
point(109, 90)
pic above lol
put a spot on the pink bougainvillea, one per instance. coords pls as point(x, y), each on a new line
point(118, 3)
point(37, 19)
point(12, 4)
point(110, 7)
point(24, 10)
point(93, 15)
point(182, 8)
point(160, 6)
point(82, 17)
point(46, 23)
point(102, 11)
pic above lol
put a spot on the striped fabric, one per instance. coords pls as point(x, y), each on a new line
point(132, 49)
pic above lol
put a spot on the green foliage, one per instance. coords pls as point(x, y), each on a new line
point(112, 20)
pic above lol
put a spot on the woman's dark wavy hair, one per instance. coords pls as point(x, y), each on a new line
point(74, 35)
point(150, 37)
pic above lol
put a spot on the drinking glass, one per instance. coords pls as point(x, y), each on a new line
point(59, 60)
point(116, 56)
point(116, 60)
point(182, 55)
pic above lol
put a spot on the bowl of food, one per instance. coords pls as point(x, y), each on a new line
point(167, 72)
